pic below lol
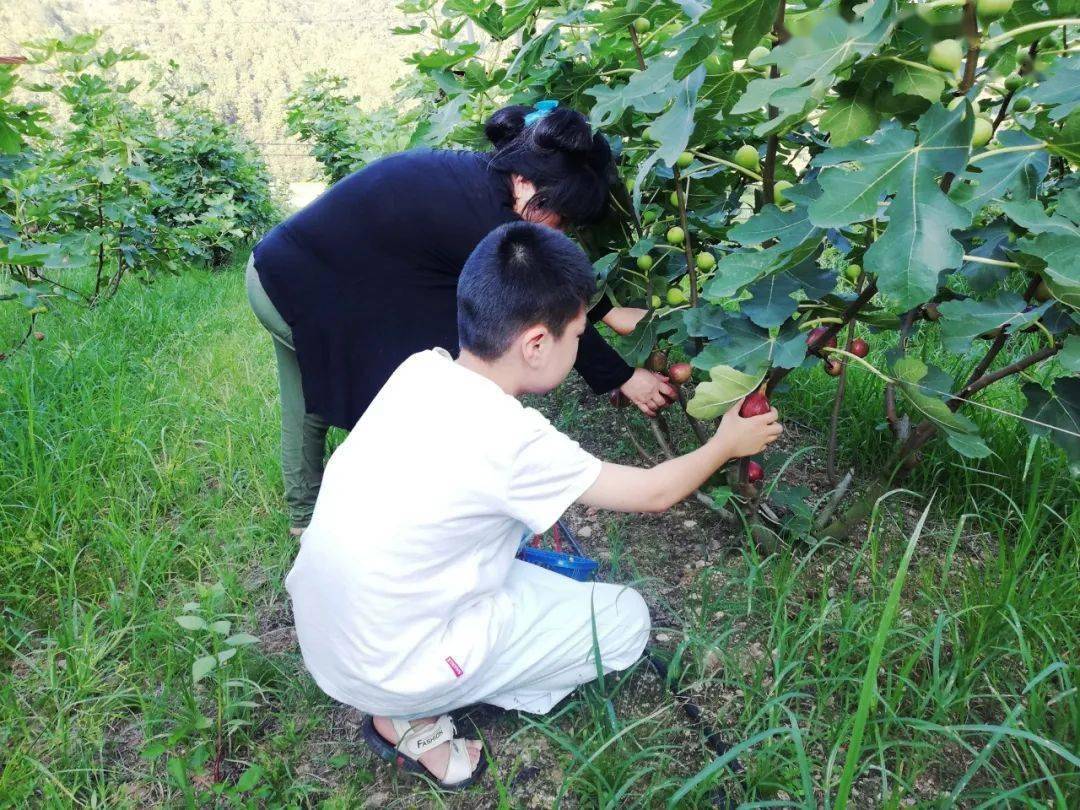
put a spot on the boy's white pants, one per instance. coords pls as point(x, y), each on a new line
point(549, 650)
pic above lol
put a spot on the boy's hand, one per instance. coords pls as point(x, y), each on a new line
point(650, 391)
point(746, 436)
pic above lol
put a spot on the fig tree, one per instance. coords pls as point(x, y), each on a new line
point(1021, 104)
point(645, 263)
point(779, 187)
point(648, 216)
point(852, 272)
point(938, 15)
point(747, 157)
point(931, 311)
point(647, 134)
point(860, 348)
point(657, 362)
point(754, 472)
point(713, 65)
point(755, 404)
point(674, 199)
point(656, 302)
point(990, 10)
point(816, 333)
point(756, 55)
point(705, 260)
point(642, 25)
point(675, 236)
point(1042, 292)
point(680, 373)
point(1013, 82)
point(946, 55)
point(684, 160)
point(675, 297)
point(982, 133)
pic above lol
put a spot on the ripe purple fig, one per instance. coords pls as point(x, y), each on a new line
point(833, 368)
point(816, 334)
point(754, 472)
point(657, 362)
point(680, 373)
point(754, 405)
point(860, 348)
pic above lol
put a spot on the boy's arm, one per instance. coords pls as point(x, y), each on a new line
point(633, 489)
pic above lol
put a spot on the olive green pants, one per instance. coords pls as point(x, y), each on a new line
point(303, 434)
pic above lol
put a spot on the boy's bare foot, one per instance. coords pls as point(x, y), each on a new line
point(435, 760)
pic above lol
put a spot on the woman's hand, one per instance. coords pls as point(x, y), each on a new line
point(649, 391)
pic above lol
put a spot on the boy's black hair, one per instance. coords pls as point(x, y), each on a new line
point(570, 165)
point(519, 275)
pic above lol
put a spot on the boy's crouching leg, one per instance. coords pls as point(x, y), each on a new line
point(552, 649)
point(623, 631)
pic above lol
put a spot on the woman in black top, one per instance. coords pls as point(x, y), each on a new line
point(366, 275)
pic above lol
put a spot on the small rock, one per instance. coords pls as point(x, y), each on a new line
point(689, 524)
point(663, 637)
point(591, 511)
point(700, 564)
point(585, 532)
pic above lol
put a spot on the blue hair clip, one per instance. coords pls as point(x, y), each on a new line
point(540, 109)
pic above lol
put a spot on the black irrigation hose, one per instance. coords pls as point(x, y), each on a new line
point(693, 711)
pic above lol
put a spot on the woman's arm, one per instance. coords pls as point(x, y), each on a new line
point(623, 320)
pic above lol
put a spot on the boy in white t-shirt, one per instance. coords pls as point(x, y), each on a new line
point(407, 596)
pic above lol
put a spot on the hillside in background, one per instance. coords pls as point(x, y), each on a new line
point(250, 53)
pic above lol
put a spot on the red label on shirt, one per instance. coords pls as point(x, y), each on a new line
point(458, 672)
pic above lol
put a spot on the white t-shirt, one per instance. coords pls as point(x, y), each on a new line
point(396, 590)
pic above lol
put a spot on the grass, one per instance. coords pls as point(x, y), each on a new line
point(144, 543)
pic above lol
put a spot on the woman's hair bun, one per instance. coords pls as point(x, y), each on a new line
point(506, 124)
point(570, 165)
point(563, 129)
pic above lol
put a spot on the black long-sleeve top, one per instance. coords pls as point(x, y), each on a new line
point(366, 275)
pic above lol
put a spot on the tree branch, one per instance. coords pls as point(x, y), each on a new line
point(988, 358)
point(776, 375)
point(768, 170)
point(665, 447)
point(637, 47)
point(838, 402)
point(1013, 368)
point(906, 324)
point(688, 249)
point(971, 32)
point(641, 451)
point(695, 425)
